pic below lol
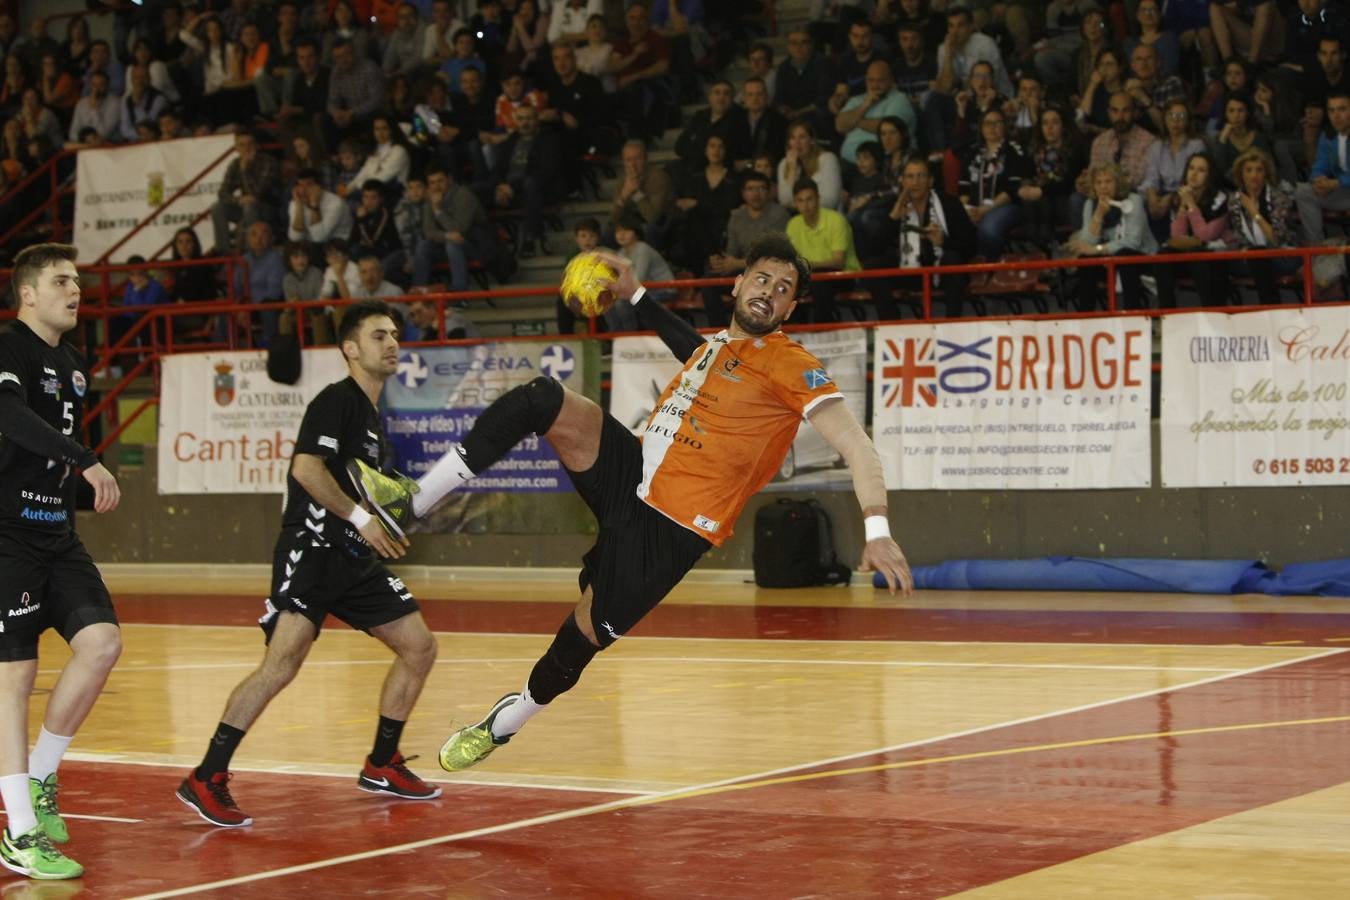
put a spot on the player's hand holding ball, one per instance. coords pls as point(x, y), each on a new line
point(594, 280)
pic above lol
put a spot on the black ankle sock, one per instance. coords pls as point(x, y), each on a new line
point(387, 735)
point(220, 750)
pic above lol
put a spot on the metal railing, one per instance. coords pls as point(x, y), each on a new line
point(138, 351)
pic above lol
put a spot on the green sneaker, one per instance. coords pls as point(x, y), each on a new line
point(32, 854)
point(472, 744)
point(44, 806)
point(389, 496)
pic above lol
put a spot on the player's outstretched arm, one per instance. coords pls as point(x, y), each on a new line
point(836, 423)
point(315, 478)
point(675, 333)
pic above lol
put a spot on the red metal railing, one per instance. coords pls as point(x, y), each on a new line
point(49, 170)
point(151, 337)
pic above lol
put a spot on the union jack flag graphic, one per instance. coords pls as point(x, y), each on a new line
point(909, 374)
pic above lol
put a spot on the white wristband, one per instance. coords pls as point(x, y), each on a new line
point(876, 527)
point(637, 295)
point(360, 517)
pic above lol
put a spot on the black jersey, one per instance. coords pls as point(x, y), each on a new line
point(339, 424)
point(37, 490)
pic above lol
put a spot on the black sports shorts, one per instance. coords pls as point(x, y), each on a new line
point(639, 554)
point(46, 581)
point(317, 581)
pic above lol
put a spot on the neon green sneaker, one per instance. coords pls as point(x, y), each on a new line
point(473, 743)
point(32, 854)
point(389, 496)
point(44, 806)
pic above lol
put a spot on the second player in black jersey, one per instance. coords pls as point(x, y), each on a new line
point(328, 561)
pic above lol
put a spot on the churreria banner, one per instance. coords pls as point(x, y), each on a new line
point(117, 187)
point(226, 428)
point(1256, 399)
point(1013, 404)
point(643, 366)
point(439, 392)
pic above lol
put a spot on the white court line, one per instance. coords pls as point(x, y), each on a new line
point(902, 664)
point(762, 639)
point(66, 815)
point(650, 798)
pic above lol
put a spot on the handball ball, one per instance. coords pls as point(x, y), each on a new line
point(585, 284)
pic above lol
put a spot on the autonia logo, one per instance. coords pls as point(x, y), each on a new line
point(43, 515)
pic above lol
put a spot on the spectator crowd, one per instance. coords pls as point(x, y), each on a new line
point(892, 132)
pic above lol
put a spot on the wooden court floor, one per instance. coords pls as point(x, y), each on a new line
point(741, 743)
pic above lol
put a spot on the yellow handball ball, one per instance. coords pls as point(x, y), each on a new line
point(586, 284)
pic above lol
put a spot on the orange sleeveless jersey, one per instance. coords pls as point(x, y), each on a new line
point(722, 427)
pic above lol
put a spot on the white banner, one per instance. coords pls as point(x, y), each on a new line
point(226, 428)
point(1256, 399)
point(1013, 404)
point(117, 187)
point(643, 366)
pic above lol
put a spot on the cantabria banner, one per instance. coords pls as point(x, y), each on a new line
point(1256, 399)
point(643, 366)
point(226, 428)
point(118, 187)
point(1013, 405)
point(439, 392)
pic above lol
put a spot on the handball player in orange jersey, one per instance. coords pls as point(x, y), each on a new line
point(717, 435)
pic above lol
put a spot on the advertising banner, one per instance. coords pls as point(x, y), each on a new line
point(1013, 404)
point(439, 393)
point(643, 366)
point(118, 187)
point(1257, 399)
point(226, 428)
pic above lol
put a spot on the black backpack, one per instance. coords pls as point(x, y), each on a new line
point(794, 546)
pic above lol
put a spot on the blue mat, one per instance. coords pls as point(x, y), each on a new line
point(1329, 578)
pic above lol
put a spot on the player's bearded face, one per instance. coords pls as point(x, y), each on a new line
point(765, 296)
point(377, 346)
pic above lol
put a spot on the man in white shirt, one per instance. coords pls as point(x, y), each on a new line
point(958, 54)
point(315, 215)
point(567, 23)
point(98, 110)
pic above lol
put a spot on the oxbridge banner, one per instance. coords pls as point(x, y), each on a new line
point(1014, 404)
point(116, 188)
point(226, 428)
point(1257, 399)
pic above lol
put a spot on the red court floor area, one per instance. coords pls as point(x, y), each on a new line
point(929, 820)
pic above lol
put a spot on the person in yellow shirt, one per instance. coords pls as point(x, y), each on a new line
point(824, 238)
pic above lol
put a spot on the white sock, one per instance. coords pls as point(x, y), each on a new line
point(46, 756)
point(513, 718)
point(448, 473)
point(18, 803)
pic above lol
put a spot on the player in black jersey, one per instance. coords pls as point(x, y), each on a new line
point(47, 579)
point(326, 563)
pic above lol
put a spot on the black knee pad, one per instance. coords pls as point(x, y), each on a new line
point(561, 666)
point(529, 408)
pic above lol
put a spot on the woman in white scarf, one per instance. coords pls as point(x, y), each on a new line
point(1259, 211)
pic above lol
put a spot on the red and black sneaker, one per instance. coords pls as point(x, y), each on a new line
point(395, 779)
point(212, 801)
